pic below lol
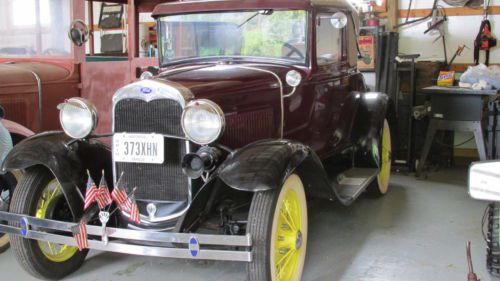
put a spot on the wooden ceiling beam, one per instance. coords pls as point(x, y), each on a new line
point(452, 12)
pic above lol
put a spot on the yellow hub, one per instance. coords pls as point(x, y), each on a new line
point(385, 169)
point(289, 232)
point(52, 251)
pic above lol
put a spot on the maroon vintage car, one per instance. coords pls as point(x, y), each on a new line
point(256, 107)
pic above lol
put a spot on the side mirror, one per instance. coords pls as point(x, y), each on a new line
point(79, 32)
point(338, 20)
point(484, 180)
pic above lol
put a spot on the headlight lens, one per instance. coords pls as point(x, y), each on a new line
point(203, 121)
point(78, 117)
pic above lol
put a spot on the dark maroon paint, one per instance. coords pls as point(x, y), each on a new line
point(321, 112)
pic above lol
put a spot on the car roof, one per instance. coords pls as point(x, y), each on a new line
point(191, 6)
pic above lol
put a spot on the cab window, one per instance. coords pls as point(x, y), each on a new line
point(108, 24)
point(328, 40)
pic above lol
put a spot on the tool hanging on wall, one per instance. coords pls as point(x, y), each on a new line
point(484, 39)
point(436, 26)
point(458, 53)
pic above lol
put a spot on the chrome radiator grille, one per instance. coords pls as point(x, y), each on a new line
point(154, 182)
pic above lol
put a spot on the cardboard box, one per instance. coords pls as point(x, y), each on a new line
point(446, 78)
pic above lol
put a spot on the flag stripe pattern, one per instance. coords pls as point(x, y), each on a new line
point(134, 213)
point(103, 196)
point(80, 235)
point(120, 196)
point(90, 193)
point(126, 203)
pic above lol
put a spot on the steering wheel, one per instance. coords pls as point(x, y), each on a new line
point(293, 50)
point(79, 32)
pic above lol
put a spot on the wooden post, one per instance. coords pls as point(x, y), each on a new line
point(392, 15)
point(133, 18)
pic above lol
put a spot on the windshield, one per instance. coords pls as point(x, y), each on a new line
point(262, 34)
point(34, 28)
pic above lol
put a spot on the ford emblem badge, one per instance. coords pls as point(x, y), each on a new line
point(146, 90)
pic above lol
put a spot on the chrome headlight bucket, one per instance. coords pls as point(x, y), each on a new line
point(203, 121)
point(78, 117)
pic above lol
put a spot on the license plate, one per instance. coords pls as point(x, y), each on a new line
point(138, 148)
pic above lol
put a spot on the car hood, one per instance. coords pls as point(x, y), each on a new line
point(216, 81)
point(21, 73)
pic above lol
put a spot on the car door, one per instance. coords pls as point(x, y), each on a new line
point(332, 112)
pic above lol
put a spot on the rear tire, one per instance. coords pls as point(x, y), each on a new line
point(29, 253)
point(277, 222)
point(380, 186)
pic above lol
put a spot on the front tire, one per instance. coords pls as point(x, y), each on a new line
point(278, 224)
point(39, 194)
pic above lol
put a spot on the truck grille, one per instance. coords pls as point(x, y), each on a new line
point(154, 182)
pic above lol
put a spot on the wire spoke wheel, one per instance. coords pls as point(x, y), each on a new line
point(52, 197)
point(39, 194)
point(278, 225)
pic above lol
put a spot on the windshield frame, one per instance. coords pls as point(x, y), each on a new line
point(254, 59)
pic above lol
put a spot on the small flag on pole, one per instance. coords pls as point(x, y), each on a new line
point(103, 196)
point(80, 235)
point(90, 193)
point(134, 210)
point(120, 196)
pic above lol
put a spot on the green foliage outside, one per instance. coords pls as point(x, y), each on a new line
point(234, 33)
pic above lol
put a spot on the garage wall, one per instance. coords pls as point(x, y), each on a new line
point(459, 30)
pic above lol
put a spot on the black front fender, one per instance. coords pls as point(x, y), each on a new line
point(68, 163)
point(265, 165)
point(260, 166)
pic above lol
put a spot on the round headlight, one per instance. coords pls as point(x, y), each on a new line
point(78, 117)
point(203, 121)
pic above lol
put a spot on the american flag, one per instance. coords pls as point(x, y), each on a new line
point(103, 196)
point(134, 211)
point(125, 202)
point(80, 235)
point(121, 198)
point(90, 193)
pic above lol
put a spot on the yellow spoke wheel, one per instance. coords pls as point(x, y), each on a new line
point(278, 225)
point(381, 185)
point(50, 197)
point(39, 194)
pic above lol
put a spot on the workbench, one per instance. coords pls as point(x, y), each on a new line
point(456, 109)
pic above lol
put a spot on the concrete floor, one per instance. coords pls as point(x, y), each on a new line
point(417, 232)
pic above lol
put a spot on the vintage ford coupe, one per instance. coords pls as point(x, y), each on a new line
point(256, 107)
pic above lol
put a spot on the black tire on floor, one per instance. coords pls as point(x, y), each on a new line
point(7, 184)
point(380, 186)
point(262, 226)
point(493, 240)
point(28, 252)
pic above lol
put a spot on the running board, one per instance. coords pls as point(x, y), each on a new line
point(165, 244)
point(353, 182)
